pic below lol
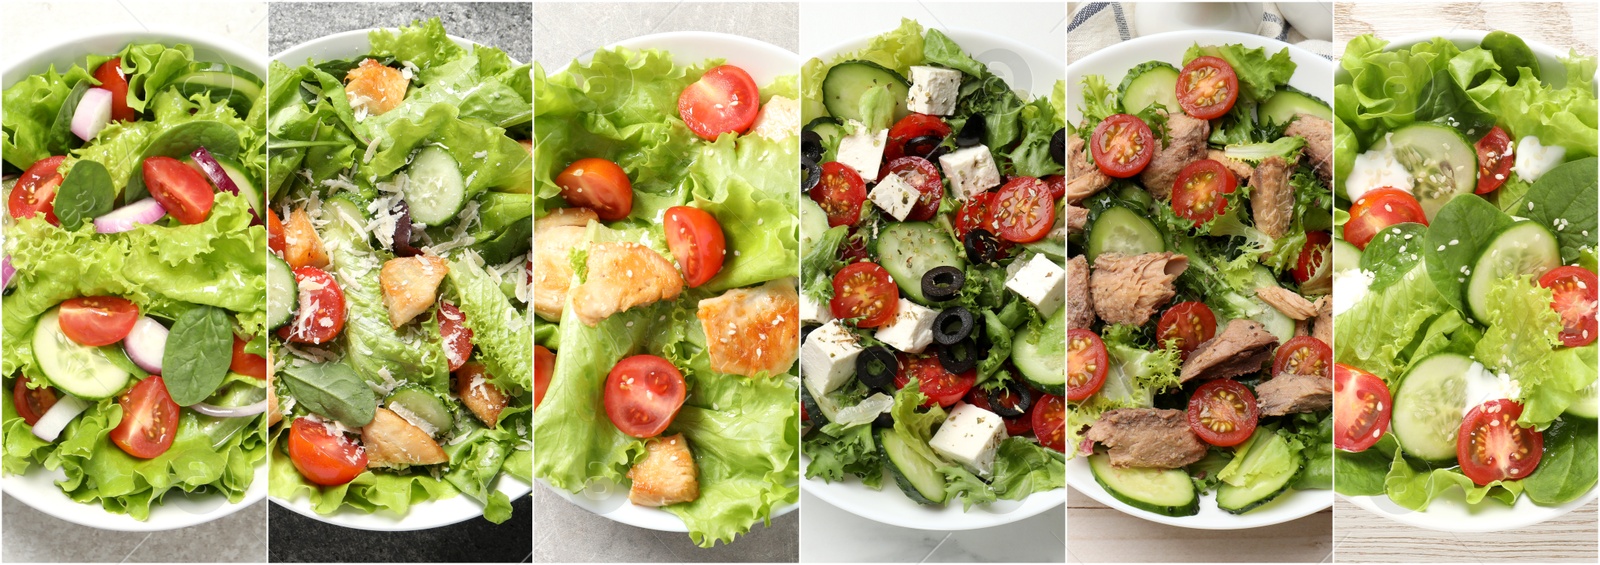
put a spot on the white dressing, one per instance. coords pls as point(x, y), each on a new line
point(1377, 168)
point(1534, 159)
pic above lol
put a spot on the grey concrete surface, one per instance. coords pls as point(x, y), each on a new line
point(35, 537)
point(499, 24)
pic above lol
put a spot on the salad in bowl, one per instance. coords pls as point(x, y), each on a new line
point(398, 279)
point(1465, 278)
point(134, 313)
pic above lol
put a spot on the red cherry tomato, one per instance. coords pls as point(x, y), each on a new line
point(909, 128)
point(599, 185)
point(544, 366)
point(1207, 88)
point(1378, 209)
point(35, 191)
point(923, 176)
point(1361, 405)
point(1024, 211)
point(1087, 364)
point(864, 292)
point(724, 100)
point(455, 334)
point(1186, 325)
point(1223, 413)
point(1575, 299)
point(149, 419)
point(323, 456)
point(322, 310)
point(1050, 422)
point(98, 320)
point(1303, 355)
point(978, 212)
point(1058, 186)
point(32, 403)
point(247, 364)
point(1494, 160)
point(183, 191)
point(1314, 256)
point(643, 395)
point(1491, 446)
point(274, 232)
point(113, 79)
point(1122, 145)
point(1201, 191)
point(840, 192)
point(940, 386)
point(696, 240)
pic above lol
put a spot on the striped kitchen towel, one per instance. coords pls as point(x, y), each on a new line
point(1097, 25)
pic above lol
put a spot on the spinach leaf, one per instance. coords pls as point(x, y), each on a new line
point(1394, 252)
point(1567, 470)
point(178, 142)
point(199, 349)
point(85, 194)
point(332, 390)
point(61, 136)
point(1459, 231)
point(1564, 200)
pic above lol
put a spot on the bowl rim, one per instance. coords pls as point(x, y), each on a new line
point(29, 63)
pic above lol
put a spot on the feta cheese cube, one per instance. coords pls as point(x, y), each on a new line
point(1042, 283)
point(863, 150)
point(911, 330)
point(971, 171)
point(828, 358)
point(970, 436)
point(895, 196)
point(813, 311)
point(933, 91)
point(779, 119)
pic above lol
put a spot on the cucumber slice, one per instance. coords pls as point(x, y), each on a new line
point(1442, 162)
point(437, 191)
point(1345, 256)
point(222, 82)
point(848, 81)
point(918, 477)
point(1282, 107)
point(830, 129)
point(1587, 405)
point(909, 249)
point(813, 223)
point(1164, 491)
point(1150, 83)
point(1427, 406)
point(418, 406)
point(82, 371)
point(1270, 465)
point(283, 292)
point(1118, 229)
point(248, 189)
point(1039, 357)
point(1522, 248)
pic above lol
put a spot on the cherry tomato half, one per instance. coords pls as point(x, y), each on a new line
point(1122, 145)
point(544, 366)
point(1575, 299)
point(183, 191)
point(32, 403)
point(322, 310)
point(643, 395)
point(455, 334)
point(1361, 405)
point(923, 176)
point(1023, 210)
point(942, 387)
point(98, 320)
point(1315, 257)
point(1303, 355)
point(35, 191)
point(840, 193)
point(909, 128)
point(724, 100)
point(1223, 413)
point(1050, 422)
point(1087, 364)
point(696, 240)
point(599, 185)
point(149, 419)
point(1494, 160)
point(247, 364)
point(864, 292)
point(1207, 88)
point(1491, 446)
point(114, 80)
point(1186, 325)
point(1201, 191)
point(274, 232)
point(1378, 209)
point(323, 456)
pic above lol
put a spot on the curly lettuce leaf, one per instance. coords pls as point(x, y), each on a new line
point(1524, 341)
point(501, 332)
point(1259, 74)
point(897, 50)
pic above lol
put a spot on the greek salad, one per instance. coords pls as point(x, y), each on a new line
point(134, 318)
point(1198, 354)
point(932, 294)
point(1465, 273)
point(398, 281)
point(664, 285)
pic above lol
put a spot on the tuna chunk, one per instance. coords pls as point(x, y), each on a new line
point(1077, 218)
point(1147, 438)
point(1271, 197)
point(1290, 393)
point(1240, 349)
point(1084, 179)
point(1129, 289)
point(1188, 144)
point(1318, 134)
point(1322, 326)
point(1080, 309)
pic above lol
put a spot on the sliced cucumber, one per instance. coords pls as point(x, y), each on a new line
point(1120, 230)
point(224, 83)
point(1270, 465)
point(1427, 406)
point(283, 292)
point(1039, 357)
point(1282, 107)
point(830, 129)
point(910, 249)
point(417, 405)
point(1150, 83)
point(1587, 405)
point(918, 477)
point(813, 224)
point(1442, 162)
point(846, 82)
point(1345, 256)
point(79, 370)
point(437, 191)
point(248, 189)
point(1522, 248)
point(1163, 491)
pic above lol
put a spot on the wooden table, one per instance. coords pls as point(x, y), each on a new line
point(1559, 24)
point(1100, 534)
point(1363, 537)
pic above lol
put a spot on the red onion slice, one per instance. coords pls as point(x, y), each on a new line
point(146, 211)
point(92, 114)
point(213, 170)
point(231, 411)
point(146, 344)
point(6, 271)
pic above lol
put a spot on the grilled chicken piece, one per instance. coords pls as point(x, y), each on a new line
point(483, 399)
point(1240, 349)
point(375, 87)
point(301, 245)
point(1128, 289)
point(752, 331)
point(1240, 169)
point(554, 238)
point(1291, 393)
point(666, 475)
point(1318, 134)
point(1147, 438)
point(391, 441)
point(622, 276)
point(1080, 308)
point(1084, 179)
point(1271, 197)
point(411, 286)
point(274, 414)
point(1188, 144)
point(1077, 218)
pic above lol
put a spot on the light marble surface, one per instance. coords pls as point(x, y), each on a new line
point(1100, 534)
point(835, 536)
point(32, 536)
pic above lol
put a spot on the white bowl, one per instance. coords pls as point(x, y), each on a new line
point(1025, 68)
point(1313, 74)
point(1451, 513)
point(765, 62)
point(37, 488)
point(428, 514)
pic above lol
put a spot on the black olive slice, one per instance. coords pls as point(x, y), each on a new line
point(811, 174)
point(959, 357)
point(972, 132)
point(876, 367)
point(981, 246)
point(884, 420)
point(943, 283)
point(1058, 146)
point(952, 325)
point(811, 145)
point(1011, 402)
point(922, 145)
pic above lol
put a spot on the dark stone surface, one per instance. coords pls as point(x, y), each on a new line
point(298, 539)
